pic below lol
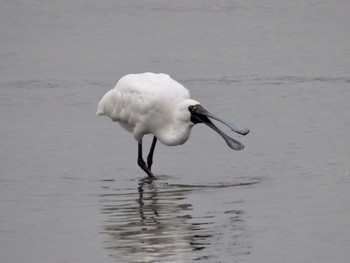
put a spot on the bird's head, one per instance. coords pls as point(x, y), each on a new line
point(199, 115)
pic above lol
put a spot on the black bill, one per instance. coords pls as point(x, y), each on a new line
point(200, 115)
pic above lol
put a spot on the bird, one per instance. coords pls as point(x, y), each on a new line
point(156, 104)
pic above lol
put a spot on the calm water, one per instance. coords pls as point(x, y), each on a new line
point(70, 188)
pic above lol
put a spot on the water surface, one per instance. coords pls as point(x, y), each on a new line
point(70, 188)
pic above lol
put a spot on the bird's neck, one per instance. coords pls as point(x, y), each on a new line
point(178, 129)
point(175, 133)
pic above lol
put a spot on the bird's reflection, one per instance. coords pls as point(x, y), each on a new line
point(154, 222)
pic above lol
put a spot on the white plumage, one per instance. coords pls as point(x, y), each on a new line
point(150, 103)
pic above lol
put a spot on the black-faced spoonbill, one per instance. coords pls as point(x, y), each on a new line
point(150, 103)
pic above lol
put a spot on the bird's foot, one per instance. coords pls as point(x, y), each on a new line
point(150, 174)
point(144, 167)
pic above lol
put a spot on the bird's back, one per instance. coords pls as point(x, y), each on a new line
point(139, 99)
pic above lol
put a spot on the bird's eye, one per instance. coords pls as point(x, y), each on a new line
point(191, 108)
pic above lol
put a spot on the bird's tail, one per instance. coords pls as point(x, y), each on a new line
point(100, 108)
point(100, 113)
point(103, 108)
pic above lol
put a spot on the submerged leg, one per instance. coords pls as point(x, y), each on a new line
point(141, 162)
point(151, 151)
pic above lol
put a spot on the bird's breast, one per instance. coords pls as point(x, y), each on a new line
point(173, 136)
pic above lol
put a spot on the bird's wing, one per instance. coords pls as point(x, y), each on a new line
point(136, 95)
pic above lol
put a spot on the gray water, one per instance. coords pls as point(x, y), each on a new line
point(70, 188)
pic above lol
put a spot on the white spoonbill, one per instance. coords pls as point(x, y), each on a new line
point(150, 103)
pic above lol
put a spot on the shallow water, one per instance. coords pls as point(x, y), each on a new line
point(167, 222)
point(70, 188)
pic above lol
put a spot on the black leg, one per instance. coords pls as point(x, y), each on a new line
point(142, 163)
point(151, 151)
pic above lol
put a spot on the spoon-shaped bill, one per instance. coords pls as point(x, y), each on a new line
point(201, 118)
point(238, 129)
point(232, 143)
point(234, 127)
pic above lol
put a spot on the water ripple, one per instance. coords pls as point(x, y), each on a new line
point(277, 80)
point(157, 221)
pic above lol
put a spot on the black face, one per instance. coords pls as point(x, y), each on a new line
point(196, 117)
point(200, 115)
point(192, 108)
